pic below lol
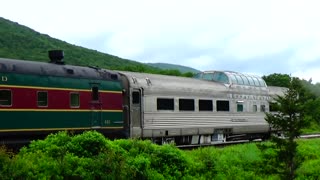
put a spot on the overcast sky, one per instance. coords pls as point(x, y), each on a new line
point(250, 36)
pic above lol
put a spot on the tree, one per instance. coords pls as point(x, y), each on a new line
point(289, 120)
point(275, 79)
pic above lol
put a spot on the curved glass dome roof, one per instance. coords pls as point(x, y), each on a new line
point(230, 77)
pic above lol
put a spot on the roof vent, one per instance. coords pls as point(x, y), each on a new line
point(56, 56)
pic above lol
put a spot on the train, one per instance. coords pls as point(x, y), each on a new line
point(39, 98)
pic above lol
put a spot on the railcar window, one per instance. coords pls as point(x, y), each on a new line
point(220, 77)
point(233, 79)
point(205, 105)
point(239, 107)
point(223, 105)
point(207, 76)
point(186, 104)
point(256, 82)
point(262, 83)
point(198, 76)
point(42, 99)
point(95, 93)
point(165, 104)
point(5, 98)
point(245, 80)
point(263, 108)
point(251, 82)
point(74, 100)
point(239, 80)
point(255, 108)
point(135, 97)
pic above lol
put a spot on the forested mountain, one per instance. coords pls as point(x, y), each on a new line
point(182, 69)
point(20, 42)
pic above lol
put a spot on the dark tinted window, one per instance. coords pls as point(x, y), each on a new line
point(186, 104)
point(95, 93)
point(74, 100)
point(135, 97)
point(5, 98)
point(42, 99)
point(239, 107)
point(165, 104)
point(205, 105)
point(222, 105)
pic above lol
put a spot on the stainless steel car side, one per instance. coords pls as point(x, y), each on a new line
point(197, 111)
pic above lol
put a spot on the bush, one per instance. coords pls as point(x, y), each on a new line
point(170, 161)
point(91, 156)
point(61, 156)
point(5, 162)
point(204, 162)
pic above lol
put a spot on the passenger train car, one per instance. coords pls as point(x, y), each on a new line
point(40, 98)
point(198, 111)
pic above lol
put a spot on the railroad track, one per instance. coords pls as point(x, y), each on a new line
point(228, 143)
point(16, 145)
point(310, 136)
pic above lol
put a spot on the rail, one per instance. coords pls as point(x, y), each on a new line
point(228, 143)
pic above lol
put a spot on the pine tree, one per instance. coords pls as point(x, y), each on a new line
point(289, 120)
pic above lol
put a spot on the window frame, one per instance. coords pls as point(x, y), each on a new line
point(11, 98)
point(186, 104)
point(70, 99)
point(219, 108)
point(46, 101)
point(240, 106)
point(136, 97)
point(204, 105)
point(95, 95)
point(169, 100)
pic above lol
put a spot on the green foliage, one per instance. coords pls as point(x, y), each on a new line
point(238, 162)
point(204, 162)
point(5, 162)
point(309, 170)
point(149, 161)
point(276, 79)
point(87, 144)
point(65, 156)
point(62, 156)
point(182, 69)
point(169, 161)
point(289, 120)
point(308, 93)
point(308, 153)
point(312, 109)
point(20, 42)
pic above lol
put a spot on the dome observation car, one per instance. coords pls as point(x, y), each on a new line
point(230, 77)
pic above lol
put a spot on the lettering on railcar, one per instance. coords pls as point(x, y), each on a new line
point(239, 120)
point(4, 78)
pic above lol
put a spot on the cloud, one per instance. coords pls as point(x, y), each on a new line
point(262, 37)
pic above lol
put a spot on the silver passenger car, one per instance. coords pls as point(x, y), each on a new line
point(215, 106)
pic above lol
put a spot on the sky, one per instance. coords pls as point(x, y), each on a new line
point(258, 37)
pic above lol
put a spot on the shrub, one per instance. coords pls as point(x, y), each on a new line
point(170, 161)
point(88, 144)
point(5, 162)
point(203, 162)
